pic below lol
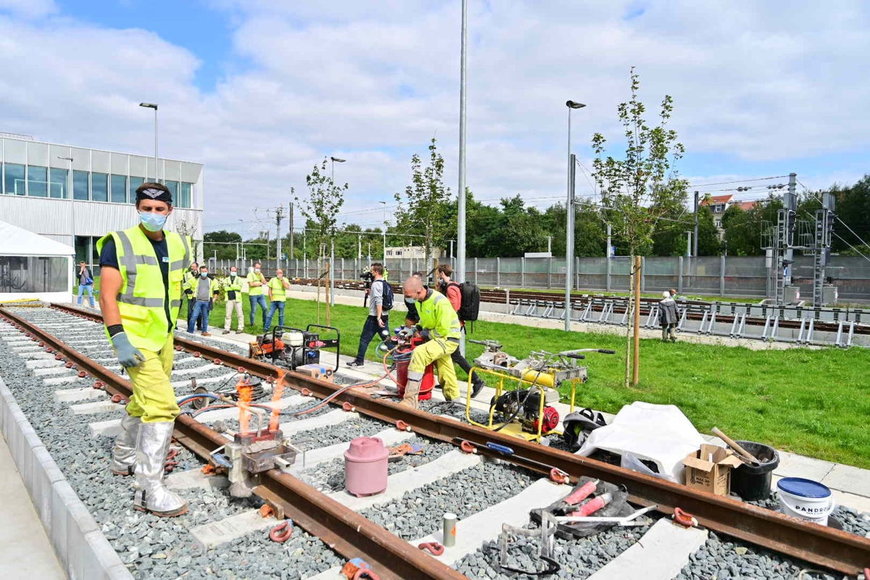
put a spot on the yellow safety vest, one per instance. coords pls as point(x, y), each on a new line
point(437, 314)
point(279, 293)
point(236, 286)
point(254, 277)
point(142, 296)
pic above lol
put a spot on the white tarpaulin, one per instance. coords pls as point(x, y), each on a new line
point(657, 433)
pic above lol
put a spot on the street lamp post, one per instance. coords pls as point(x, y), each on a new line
point(335, 160)
point(383, 203)
point(69, 193)
point(569, 243)
point(154, 106)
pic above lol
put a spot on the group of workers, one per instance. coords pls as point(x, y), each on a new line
point(434, 315)
point(202, 291)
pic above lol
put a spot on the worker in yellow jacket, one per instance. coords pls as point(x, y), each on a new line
point(141, 282)
point(440, 324)
point(277, 287)
point(256, 286)
point(232, 287)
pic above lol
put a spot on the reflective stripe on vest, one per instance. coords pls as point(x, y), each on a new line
point(431, 312)
point(142, 293)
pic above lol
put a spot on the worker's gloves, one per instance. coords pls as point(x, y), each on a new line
point(128, 355)
point(424, 334)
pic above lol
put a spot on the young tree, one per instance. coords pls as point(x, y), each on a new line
point(640, 188)
point(424, 207)
point(320, 210)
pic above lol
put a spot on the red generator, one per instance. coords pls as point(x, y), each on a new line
point(402, 358)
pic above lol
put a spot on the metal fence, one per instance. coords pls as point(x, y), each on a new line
point(712, 276)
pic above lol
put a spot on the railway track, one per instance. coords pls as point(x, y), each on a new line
point(695, 309)
point(342, 530)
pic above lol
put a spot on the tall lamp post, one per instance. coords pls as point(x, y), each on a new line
point(334, 160)
point(569, 243)
point(383, 203)
point(154, 106)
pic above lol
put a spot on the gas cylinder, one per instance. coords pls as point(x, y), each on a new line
point(402, 358)
point(365, 466)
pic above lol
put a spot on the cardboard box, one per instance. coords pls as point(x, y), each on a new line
point(709, 469)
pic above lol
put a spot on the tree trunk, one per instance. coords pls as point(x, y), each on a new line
point(629, 320)
point(636, 351)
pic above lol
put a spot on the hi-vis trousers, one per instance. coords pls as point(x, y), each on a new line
point(153, 396)
point(437, 351)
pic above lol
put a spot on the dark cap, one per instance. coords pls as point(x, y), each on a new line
point(156, 191)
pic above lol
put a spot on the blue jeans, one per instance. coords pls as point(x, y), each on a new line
point(89, 288)
point(279, 306)
point(200, 312)
point(255, 300)
point(370, 329)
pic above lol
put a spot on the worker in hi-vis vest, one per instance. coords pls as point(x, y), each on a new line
point(439, 324)
point(141, 284)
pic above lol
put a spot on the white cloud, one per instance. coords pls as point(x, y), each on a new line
point(372, 82)
point(29, 8)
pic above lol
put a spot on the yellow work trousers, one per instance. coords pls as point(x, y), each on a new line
point(153, 396)
point(436, 351)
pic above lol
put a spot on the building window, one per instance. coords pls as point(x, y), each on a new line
point(80, 185)
point(186, 197)
point(119, 188)
point(14, 182)
point(135, 182)
point(172, 186)
point(57, 186)
point(99, 187)
point(37, 181)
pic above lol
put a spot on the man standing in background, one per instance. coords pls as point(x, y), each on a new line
point(378, 320)
point(86, 283)
point(204, 291)
point(278, 296)
point(256, 282)
point(232, 285)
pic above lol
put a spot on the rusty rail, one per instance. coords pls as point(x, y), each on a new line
point(342, 529)
point(841, 551)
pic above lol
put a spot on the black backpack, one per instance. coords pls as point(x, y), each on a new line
point(470, 301)
point(387, 301)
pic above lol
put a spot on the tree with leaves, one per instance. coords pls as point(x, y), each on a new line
point(424, 207)
point(320, 210)
point(641, 187)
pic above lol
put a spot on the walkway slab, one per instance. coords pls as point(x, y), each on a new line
point(793, 465)
point(314, 457)
point(659, 555)
point(849, 479)
point(405, 481)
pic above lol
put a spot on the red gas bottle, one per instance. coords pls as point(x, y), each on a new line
point(402, 358)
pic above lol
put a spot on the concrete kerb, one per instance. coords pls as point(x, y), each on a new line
point(75, 536)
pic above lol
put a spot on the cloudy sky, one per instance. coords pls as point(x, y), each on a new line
point(260, 90)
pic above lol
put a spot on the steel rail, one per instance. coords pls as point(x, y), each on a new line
point(342, 529)
point(835, 549)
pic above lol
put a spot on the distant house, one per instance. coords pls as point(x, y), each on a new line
point(719, 203)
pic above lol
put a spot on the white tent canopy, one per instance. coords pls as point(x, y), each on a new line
point(15, 241)
point(34, 266)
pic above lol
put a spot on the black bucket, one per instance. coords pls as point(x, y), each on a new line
point(752, 482)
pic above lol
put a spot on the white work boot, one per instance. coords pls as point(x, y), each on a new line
point(124, 450)
point(151, 448)
point(412, 391)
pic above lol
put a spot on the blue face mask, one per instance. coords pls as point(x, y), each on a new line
point(153, 222)
point(203, 274)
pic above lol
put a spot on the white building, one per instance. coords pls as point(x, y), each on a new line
point(33, 266)
point(76, 195)
point(410, 252)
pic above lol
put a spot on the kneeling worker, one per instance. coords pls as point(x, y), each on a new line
point(440, 325)
point(141, 274)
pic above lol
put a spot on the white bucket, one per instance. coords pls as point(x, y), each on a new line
point(805, 499)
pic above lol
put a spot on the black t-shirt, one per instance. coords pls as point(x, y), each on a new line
point(109, 257)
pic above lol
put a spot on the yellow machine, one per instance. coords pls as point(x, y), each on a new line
point(523, 388)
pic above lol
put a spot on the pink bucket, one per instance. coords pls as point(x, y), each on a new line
point(365, 466)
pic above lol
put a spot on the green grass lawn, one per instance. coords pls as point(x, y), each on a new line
point(812, 402)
